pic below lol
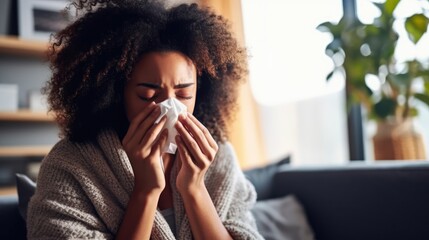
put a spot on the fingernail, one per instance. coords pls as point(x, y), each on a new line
point(182, 116)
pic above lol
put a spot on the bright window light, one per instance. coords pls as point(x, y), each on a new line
point(287, 58)
point(373, 82)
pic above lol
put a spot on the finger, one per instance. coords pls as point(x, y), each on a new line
point(136, 122)
point(159, 144)
point(191, 145)
point(205, 131)
point(198, 135)
point(153, 133)
point(147, 123)
point(184, 155)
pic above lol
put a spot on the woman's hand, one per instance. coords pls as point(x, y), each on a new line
point(197, 149)
point(143, 143)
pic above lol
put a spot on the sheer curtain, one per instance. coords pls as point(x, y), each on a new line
point(246, 136)
point(301, 114)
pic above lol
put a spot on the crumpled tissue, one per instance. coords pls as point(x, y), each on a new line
point(171, 108)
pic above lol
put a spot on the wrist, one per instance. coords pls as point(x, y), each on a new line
point(146, 194)
point(146, 187)
point(193, 192)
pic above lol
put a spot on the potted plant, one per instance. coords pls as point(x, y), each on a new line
point(364, 53)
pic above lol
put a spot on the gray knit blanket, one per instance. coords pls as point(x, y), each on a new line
point(83, 190)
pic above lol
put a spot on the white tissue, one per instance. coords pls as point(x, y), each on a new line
point(172, 108)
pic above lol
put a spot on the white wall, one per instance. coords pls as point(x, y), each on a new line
point(313, 131)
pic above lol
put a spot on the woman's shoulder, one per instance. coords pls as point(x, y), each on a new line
point(225, 172)
point(64, 151)
point(226, 149)
point(62, 147)
point(226, 158)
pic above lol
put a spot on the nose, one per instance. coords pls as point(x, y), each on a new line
point(167, 93)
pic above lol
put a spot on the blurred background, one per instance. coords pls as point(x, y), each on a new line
point(318, 121)
point(288, 108)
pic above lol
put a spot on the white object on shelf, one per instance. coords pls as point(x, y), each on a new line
point(37, 101)
point(8, 97)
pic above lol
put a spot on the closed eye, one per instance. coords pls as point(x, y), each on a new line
point(148, 99)
point(185, 97)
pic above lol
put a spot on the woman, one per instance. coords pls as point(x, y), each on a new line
point(108, 177)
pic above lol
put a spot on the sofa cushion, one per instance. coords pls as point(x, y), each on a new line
point(282, 219)
point(370, 201)
point(26, 188)
point(262, 177)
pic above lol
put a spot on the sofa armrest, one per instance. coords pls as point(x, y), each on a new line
point(361, 201)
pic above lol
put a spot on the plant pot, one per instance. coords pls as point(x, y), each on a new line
point(398, 140)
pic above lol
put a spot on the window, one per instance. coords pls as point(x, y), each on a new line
point(287, 60)
point(301, 113)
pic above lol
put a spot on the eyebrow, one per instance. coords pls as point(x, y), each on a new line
point(149, 85)
point(156, 86)
point(183, 85)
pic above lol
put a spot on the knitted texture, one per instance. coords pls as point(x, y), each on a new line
point(83, 190)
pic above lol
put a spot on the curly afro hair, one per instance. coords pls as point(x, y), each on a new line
point(92, 59)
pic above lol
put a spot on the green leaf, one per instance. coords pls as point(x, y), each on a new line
point(426, 84)
point(424, 74)
point(390, 5)
point(416, 26)
point(413, 112)
point(385, 107)
point(334, 29)
point(423, 71)
point(325, 27)
point(422, 97)
point(380, 6)
point(333, 47)
point(400, 80)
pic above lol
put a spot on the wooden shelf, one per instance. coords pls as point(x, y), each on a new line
point(16, 46)
point(25, 151)
point(8, 191)
point(26, 115)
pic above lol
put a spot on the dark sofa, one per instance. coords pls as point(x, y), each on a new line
point(12, 225)
point(383, 201)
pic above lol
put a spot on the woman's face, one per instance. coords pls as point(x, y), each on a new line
point(158, 76)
